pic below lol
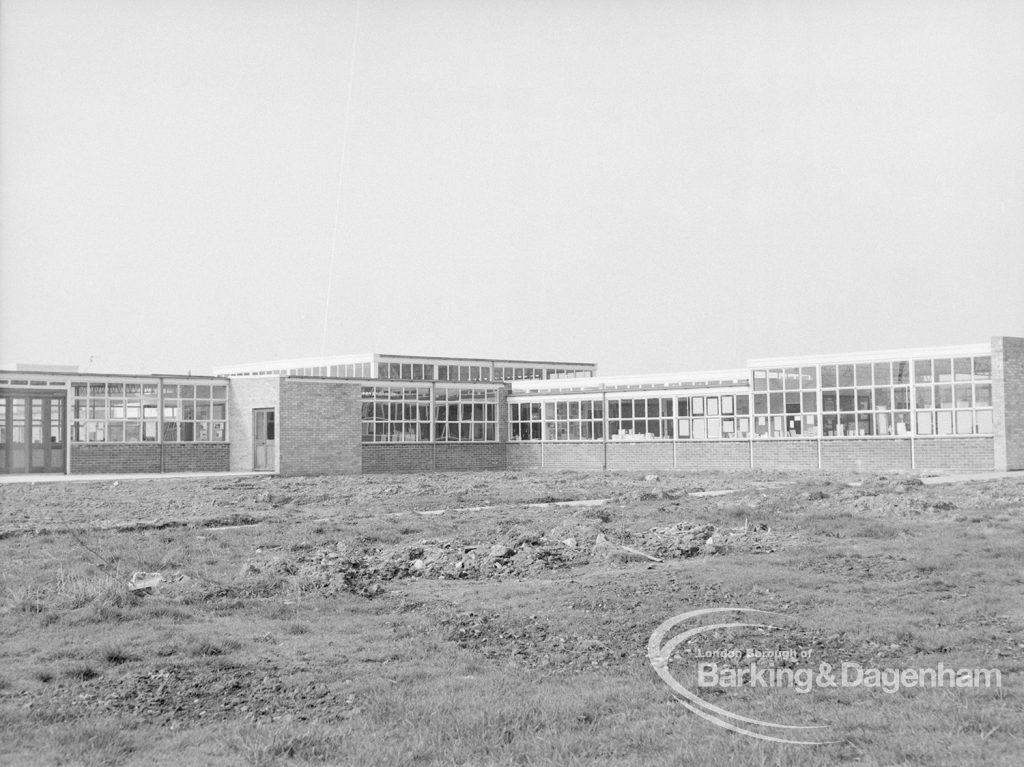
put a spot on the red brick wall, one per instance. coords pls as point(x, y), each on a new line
point(879, 454)
point(319, 427)
point(962, 453)
point(1008, 403)
point(245, 394)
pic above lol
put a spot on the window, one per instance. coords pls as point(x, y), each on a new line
point(959, 399)
point(465, 415)
point(641, 418)
point(129, 411)
point(396, 413)
point(716, 416)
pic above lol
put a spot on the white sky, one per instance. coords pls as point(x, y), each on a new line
point(653, 186)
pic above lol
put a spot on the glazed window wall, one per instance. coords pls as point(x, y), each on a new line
point(396, 414)
point(718, 416)
point(463, 373)
point(640, 418)
point(953, 396)
point(408, 371)
point(131, 412)
point(466, 415)
point(574, 420)
point(526, 421)
point(786, 402)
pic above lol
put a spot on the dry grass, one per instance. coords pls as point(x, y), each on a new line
point(246, 659)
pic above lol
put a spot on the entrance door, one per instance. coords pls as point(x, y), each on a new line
point(264, 440)
point(31, 434)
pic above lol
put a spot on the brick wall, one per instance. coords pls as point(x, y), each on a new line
point(244, 395)
point(1008, 403)
point(148, 457)
point(878, 454)
point(580, 456)
point(103, 458)
point(392, 457)
point(625, 456)
point(319, 427)
point(196, 456)
point(525, 455)
point(961, 453)
point(784, 454)
point(456, 456)
point(727, 454)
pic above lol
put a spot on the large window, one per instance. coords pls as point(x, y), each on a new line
point(526, 421)
point(573, 420)
point(466, 415)
point(396, 413)
point(463, 373)
point(194, 413)
point(636, 418)
point(114, 411)
point(953, 396)
point(786, 402)
point(409, 371)
point(718, 416)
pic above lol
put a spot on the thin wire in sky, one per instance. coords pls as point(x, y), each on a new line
point(338, 220)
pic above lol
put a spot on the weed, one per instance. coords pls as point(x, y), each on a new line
point(43, 675)
point(90, 743)
point(198, 646)
point(297, 628)
point(117, 655)
point(81, 671)
point(267, 744)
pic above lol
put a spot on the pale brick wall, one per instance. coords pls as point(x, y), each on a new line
point(961, 453)
point(698, 456)
point(784, 454)
point(879, 454)
point(580, 456)
point(1008, 403)
point(627, 456)
point(244, 395)
point(319, 427)
point(525, 455)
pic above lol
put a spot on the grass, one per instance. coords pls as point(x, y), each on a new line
point(248, 659)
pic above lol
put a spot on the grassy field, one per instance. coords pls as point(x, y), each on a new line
point(469, 619)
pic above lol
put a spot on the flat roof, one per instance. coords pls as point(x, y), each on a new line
point(350, 359)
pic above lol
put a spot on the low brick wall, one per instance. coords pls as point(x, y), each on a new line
point(629, 456)
point(149, 457)
point(879, 454)
point(470, 456)
point(396, 457)
point(576, 456)
point(399, 457)
point(197, 456)
point(102, 458)
point(784, 454)
point(960, 453)
point(700, 456)
point(525, 455)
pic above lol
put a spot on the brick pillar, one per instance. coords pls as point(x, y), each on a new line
point(1008, 402)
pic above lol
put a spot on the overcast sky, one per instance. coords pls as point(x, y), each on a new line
point(652, 186)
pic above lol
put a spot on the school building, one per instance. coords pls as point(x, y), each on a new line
point(953, 407)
